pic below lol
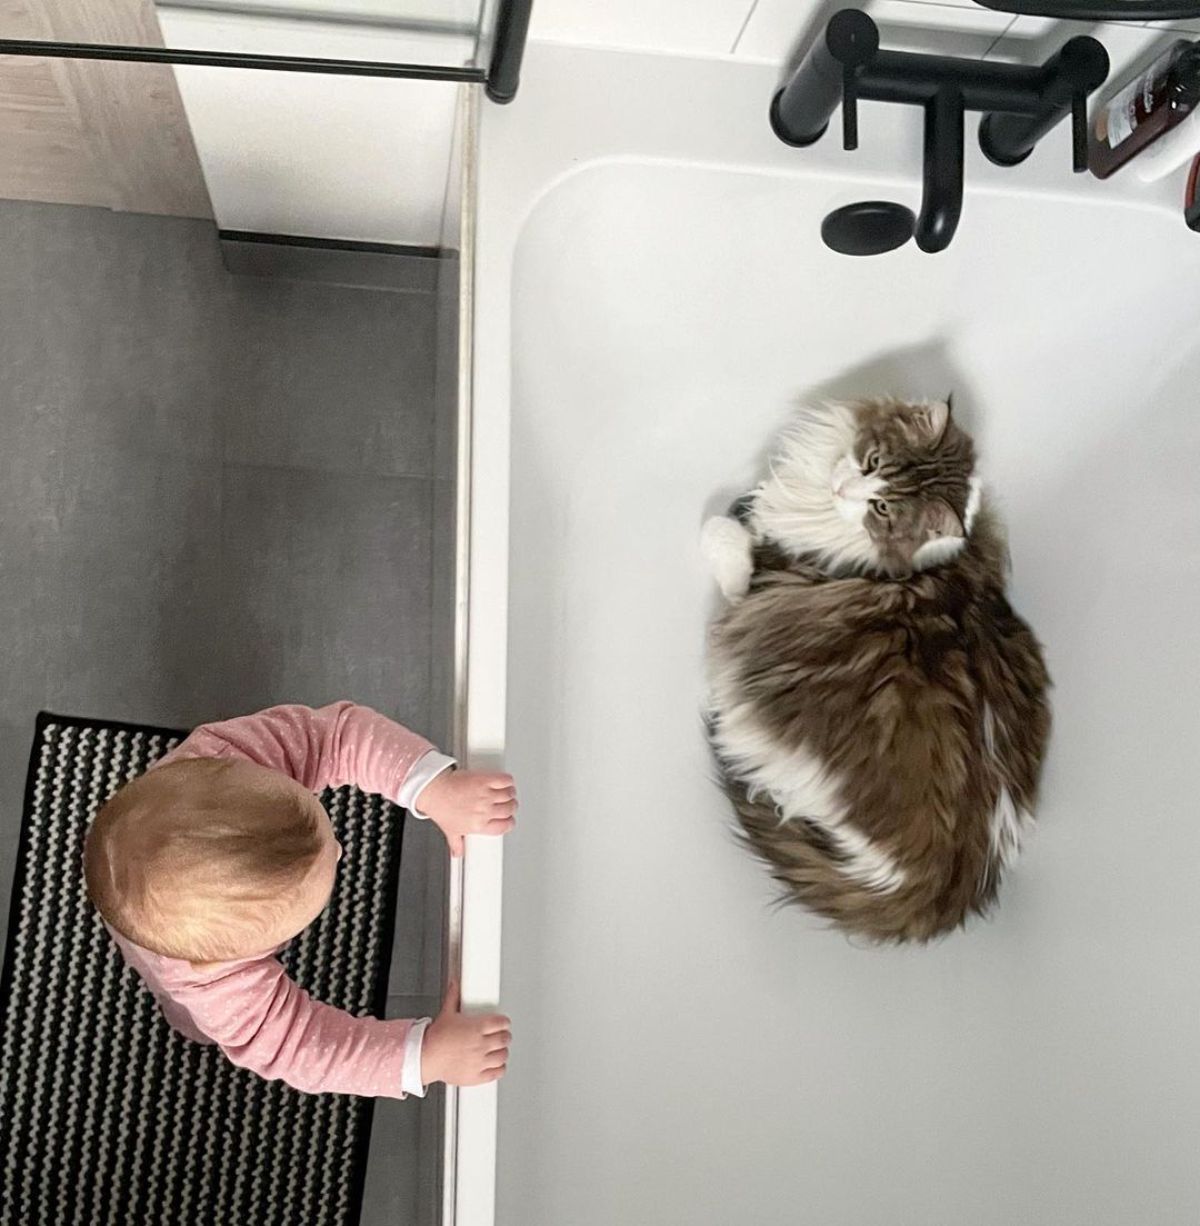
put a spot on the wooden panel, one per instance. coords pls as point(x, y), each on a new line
point(87, 132)
point(43, 152)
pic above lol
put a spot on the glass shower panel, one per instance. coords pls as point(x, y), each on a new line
point(434, 32)
point(447, 34)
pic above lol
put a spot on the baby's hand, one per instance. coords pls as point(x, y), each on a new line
point(464, 1049)
point(469, 802)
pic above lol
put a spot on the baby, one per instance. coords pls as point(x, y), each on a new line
point(207, 865)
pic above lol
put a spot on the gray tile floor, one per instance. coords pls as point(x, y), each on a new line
point(216, 493)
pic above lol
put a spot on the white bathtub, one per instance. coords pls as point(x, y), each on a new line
point(652, 295)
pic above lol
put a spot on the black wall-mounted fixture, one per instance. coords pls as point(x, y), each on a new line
point(1100, 10)
point(1020, 104)
point(499, 78)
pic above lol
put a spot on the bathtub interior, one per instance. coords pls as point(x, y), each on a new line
point(687, 1052)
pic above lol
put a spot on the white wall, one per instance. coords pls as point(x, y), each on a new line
point(767, 30)
point(704, 27)
point(323, 156)
point(753, 29)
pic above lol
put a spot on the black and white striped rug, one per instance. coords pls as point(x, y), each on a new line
point(110, 1118)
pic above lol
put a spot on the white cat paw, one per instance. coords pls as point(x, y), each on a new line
point(728, 549)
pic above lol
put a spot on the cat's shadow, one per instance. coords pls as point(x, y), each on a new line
point(919, 372)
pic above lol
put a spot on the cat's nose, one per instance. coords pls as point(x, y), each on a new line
point(852, 488)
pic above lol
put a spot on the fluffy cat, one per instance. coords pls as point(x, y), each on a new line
point(878, 711)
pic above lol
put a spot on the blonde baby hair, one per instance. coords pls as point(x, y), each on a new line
point(196, 859)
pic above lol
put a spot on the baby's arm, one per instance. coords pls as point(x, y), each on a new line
point(344, 743)
point(265, 1022)
point(325, 747)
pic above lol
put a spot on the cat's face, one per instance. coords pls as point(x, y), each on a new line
point(880, 485)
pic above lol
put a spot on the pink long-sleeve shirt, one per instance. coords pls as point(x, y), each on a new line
point(261, 1019)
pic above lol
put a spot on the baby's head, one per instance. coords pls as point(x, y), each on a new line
point(208, 860)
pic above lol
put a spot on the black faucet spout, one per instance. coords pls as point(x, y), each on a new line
point(1021, 104)
point(942, 195)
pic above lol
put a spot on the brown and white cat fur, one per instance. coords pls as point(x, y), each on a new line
point(878, 711)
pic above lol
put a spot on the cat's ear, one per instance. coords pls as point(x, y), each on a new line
point(941, 520)
point(932, 419)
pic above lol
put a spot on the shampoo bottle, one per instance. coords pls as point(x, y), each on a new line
point(1146, 109)
point(1172, 150)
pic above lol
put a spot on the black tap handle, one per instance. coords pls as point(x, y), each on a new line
point(802, 109)
point(1079, 131)
point(849, 107)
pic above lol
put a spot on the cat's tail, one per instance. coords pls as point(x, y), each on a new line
point(812, 867)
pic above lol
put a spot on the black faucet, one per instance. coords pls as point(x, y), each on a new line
point(1020, 104)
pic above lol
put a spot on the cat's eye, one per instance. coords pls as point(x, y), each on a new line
point(870, 462)
point(880, 507)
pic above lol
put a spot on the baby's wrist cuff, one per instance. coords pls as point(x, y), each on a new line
point(410, 1073)
point(424, 771)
